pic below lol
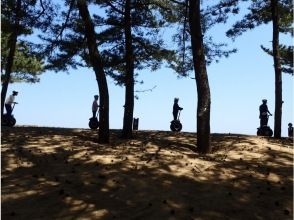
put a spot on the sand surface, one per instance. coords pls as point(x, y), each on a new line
point(58, 173)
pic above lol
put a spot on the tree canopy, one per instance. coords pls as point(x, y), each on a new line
point(27, 65)
point(260, 13)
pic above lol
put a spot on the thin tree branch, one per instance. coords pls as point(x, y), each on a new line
point(66, 20)
point(114, 8)
point(43, 10)
point(147, 90)
point(53, 44)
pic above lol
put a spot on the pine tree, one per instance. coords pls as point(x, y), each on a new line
point(122, 29)
point(286, 57)
point(203, 90)
point(278, 70)
point(20, 18)
point(11, 45)
point(72, 42)
point(197, 50)
point(27, 64)
point(98, 66)
point(131, 41)
point(280, 13)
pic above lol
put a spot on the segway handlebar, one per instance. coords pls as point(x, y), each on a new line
point(179, 114)
point(14, 103)
point(266, 114)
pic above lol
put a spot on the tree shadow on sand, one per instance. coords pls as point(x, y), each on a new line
point(64, 174)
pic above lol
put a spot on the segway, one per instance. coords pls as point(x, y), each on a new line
point(94, 123)
point(264, 129)
point(9, 120)
point(176, 124)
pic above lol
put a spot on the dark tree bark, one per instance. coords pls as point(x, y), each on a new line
point(203, 90)
point(278, 71)
point(97, 64)
point(10, 58)
point(129, 75)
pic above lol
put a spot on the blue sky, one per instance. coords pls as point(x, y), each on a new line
point(238, 84)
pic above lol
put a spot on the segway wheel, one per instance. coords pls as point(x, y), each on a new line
point(172, 127)
point(93, 123)
point(176, 126)
point(12, 122)
point(268, 132)
point(179, 127)
point(259, 132)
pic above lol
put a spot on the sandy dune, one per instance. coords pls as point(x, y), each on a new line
point(56, 173)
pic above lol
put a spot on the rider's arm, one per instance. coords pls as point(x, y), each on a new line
point(179, 108)
point(268, 110)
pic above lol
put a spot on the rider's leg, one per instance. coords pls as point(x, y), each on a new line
point(263, 121)
point(94, 114)
point(290, 132)
point(175, 114)
point(266, 121)
point(8, 109)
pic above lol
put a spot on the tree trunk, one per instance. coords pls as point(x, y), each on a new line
point(129, 74)
point(10, 58)
point(203, 91)
point(97, 64)
point(278, 72)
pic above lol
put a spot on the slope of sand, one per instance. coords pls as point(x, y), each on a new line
point(56, 173)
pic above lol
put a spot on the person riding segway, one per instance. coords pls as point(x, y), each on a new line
point(94, 123)
point(264, 113)
point(176, 124)
point(8, 119)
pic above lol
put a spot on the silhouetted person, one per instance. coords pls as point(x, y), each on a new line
point(263, 113)
point(95, 105)
point(290, 130)
point(176, 108)
point(9, 101)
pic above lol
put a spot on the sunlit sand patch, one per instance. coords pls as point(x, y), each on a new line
point(19, 195)
point(88, 209)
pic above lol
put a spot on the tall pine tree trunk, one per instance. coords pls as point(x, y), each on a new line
point(129, 74)
point(278, 72)
point(97, 64)
point(10, 59)
point(203, 105)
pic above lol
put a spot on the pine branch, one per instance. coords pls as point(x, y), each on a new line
point(43, 10)
point(146, 90)
point(114, 8)
point(66, 20)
